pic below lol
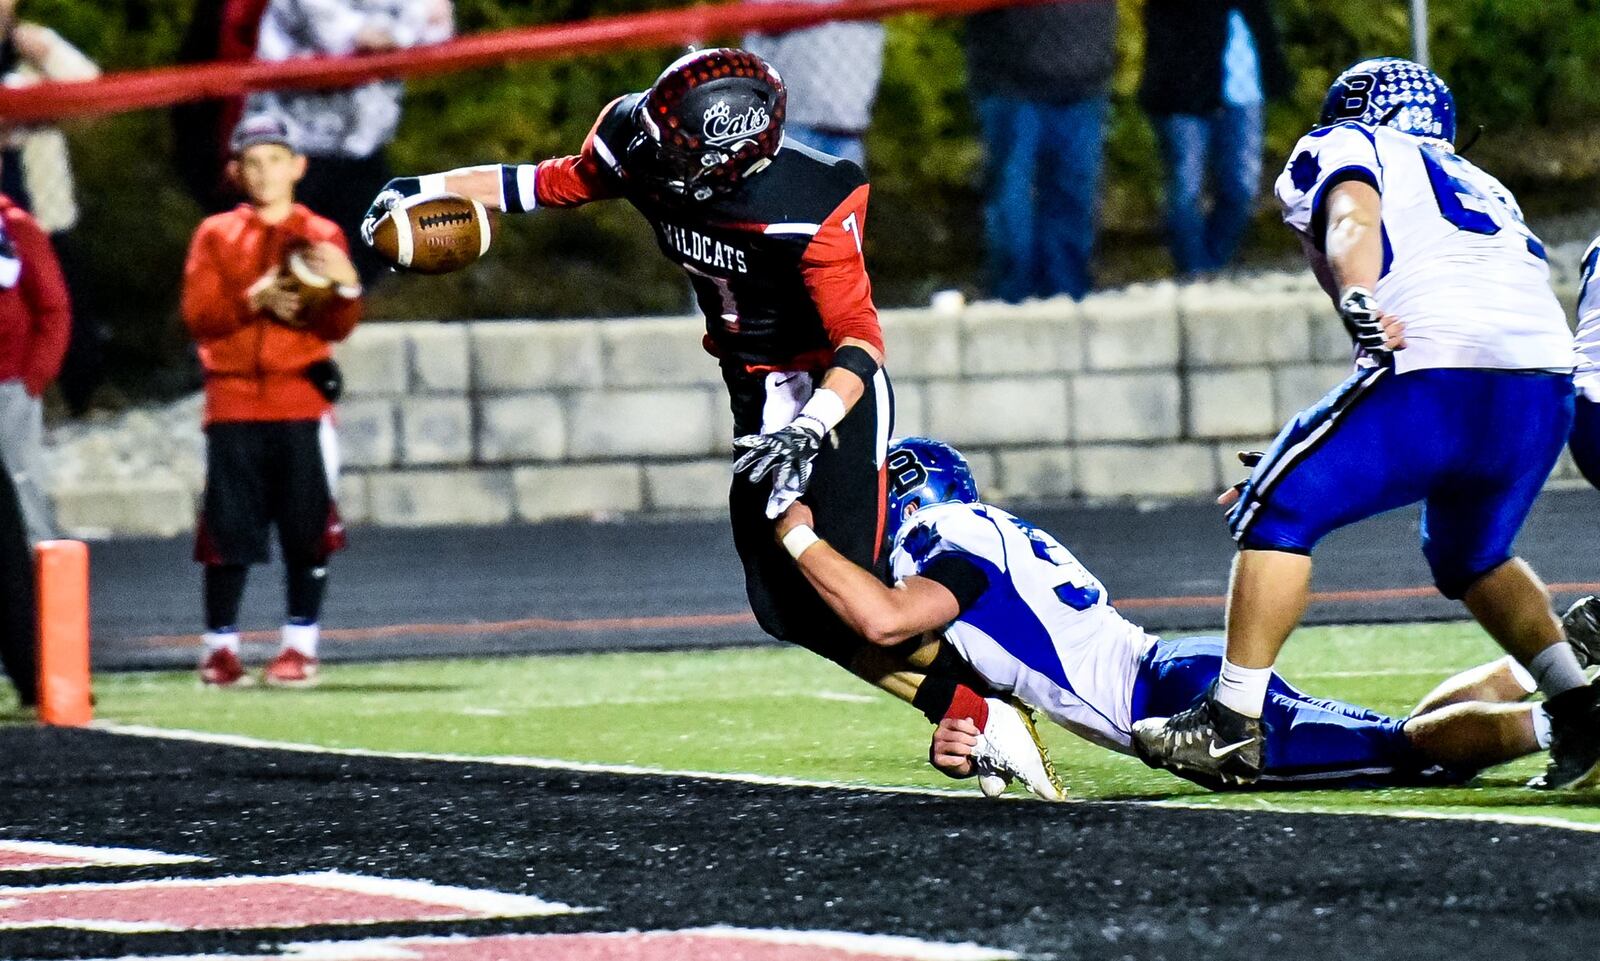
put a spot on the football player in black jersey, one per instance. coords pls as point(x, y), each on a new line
point(770, 236)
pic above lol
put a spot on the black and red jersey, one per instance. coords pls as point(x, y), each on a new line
point(776, 265)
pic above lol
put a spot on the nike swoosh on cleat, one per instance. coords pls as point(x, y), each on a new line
point(1217, 753)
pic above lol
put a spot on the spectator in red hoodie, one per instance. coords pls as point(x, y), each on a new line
point(35, 322)
point(264, 332)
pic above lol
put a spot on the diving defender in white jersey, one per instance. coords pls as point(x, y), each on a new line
point(1035, 623)
point(1462, 399)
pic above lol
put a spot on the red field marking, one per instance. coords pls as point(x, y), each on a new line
point(710, 944)
point(1375, 595)
point(294, 901)
point(46, 856)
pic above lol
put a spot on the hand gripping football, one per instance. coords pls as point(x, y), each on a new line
point(433, 234)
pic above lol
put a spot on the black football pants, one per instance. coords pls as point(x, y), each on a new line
point(847, 499)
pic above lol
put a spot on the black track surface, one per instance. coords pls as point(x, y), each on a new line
point(150, 589)
point(1050, 881)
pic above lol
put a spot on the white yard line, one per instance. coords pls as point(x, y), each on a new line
point(503, 760)
point(768, 780)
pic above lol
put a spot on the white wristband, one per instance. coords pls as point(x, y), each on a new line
point(825, 407)
point(431, 185)
point(798, 539)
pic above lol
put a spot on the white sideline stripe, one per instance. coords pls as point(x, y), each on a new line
point(503, 760)
point(490, 904)
point(97, 857)
point(866, 945)
point(768, 780)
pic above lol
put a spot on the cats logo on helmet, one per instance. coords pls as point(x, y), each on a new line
point(722, 129)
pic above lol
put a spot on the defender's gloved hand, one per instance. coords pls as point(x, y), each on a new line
point(1359, 312)
point(785, 454)
point(392, 193)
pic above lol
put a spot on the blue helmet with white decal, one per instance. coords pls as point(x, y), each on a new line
point(1391, 92)
point(923, 472)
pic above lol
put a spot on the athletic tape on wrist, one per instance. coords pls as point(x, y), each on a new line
point(517, 194)
point(798, 539)
point(825, 407)
point(429, 185)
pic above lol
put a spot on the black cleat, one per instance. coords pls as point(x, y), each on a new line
point(1207, 742)
point(1582, 624)
point(1574, 740)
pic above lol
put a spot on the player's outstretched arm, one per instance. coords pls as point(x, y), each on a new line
point(880, 614)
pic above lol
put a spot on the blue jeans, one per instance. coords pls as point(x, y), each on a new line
point(837, 144)
point(1044, 190)
point(1226, 143)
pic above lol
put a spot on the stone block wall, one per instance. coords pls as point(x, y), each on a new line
point(1142, 393)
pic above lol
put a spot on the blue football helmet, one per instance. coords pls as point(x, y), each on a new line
point(924, 472)
point(1391, 92)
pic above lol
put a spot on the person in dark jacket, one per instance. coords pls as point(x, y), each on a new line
point(1040, 76)
point(1209, 68)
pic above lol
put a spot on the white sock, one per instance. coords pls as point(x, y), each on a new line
point(1243, 689)
point(302, 638)
point(1557, 670)
point(221, 641)
point(1541, 726)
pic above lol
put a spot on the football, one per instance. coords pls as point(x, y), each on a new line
point(435, 234)
point(313, 288)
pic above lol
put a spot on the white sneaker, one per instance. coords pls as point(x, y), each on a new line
point(1009, 747)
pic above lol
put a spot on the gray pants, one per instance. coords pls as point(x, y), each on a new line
point(22, 449)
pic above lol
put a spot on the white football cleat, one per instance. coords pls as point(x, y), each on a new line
point(1009, 747)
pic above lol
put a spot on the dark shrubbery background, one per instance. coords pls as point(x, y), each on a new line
point(1523, 68)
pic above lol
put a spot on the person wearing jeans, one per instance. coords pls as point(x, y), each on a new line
point(1209, 68)
point(1039, 76)
point(35, 323)
point(832, 72)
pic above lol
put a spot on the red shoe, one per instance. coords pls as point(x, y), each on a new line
point(221, 668)
point(291, 669)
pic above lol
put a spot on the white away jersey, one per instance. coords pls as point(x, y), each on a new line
point(1589, 324)
point(1044, 628)
point(1460, 269)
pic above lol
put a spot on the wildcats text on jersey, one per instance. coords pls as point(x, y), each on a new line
point(702, 249)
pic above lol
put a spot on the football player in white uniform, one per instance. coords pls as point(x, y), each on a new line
point(1583, 618)
point(1035, 623)
point(1462, 400)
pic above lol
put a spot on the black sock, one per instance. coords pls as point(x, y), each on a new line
point(933, 697)
point(306, 584)
point(224, 589)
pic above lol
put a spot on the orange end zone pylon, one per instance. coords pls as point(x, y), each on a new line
point(62, 569)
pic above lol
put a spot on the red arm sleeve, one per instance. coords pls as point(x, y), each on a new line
point(577, 179)
point(836, 274)
point(211, 307)
point(45, 293)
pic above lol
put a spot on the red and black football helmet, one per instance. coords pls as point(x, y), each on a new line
point(711, 119)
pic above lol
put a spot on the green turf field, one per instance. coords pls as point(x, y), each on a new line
point(782, 711)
